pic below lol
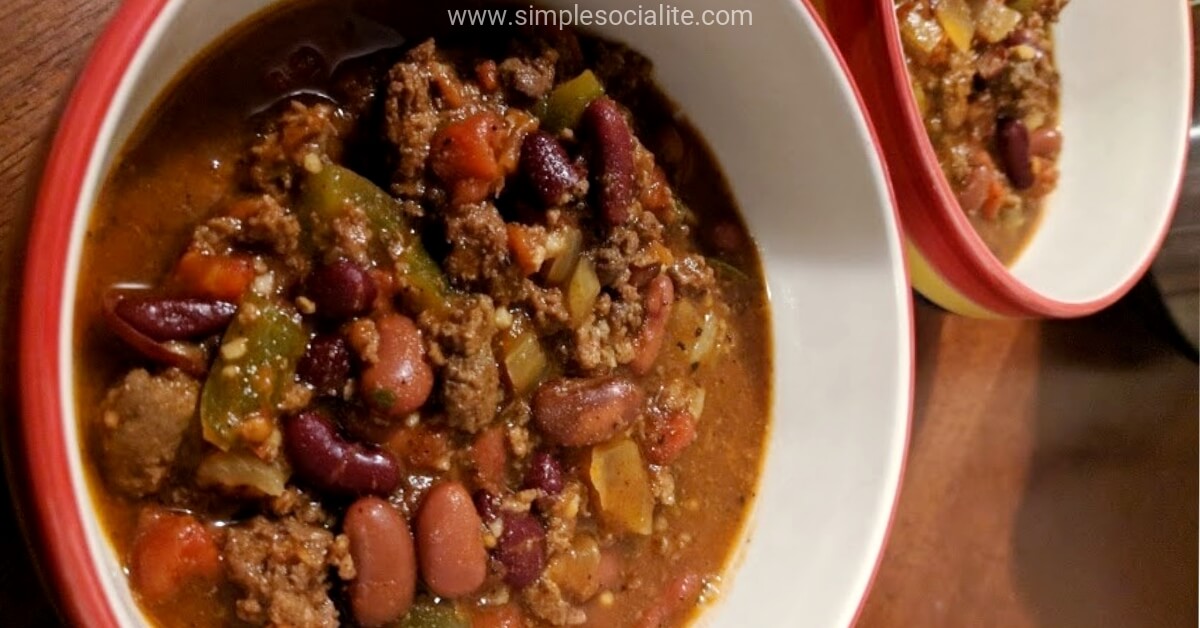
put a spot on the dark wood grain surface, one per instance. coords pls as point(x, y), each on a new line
point(1052, 478)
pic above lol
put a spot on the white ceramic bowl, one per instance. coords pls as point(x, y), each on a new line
point(802, 162)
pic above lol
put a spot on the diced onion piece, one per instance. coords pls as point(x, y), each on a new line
point(622, 487)
point(242, 470)
point(576, 571)
point(955, 17)
point(997, 21)
point(918, 32)
point(696, 403)
point(525, 362)
point(706, 340)
point(582, 291)
point(563, 252)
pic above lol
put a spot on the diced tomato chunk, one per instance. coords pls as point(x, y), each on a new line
point(419, 447)
point(463, 155)
point(523, 249)
point(170, 550)
point(668, 435)
point(222, 277)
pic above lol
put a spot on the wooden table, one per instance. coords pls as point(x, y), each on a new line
point(1053, 471)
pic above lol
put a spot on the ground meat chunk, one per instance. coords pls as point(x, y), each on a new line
point(145, 420)
point(478, 257)
point(291, 143)
point(259, 222)
point(531, 78)
point(460, 344)
point(692, 276)
point(606, 340)
point(471, 390)
point(281, 568)
point(547, 601)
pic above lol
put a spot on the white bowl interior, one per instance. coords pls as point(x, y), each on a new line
point(799, 156)
point(1126, 103)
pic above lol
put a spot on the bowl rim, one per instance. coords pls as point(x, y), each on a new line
point(943, 234)
point(53, 523)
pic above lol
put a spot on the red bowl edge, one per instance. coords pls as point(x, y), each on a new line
point(868, 35)
point(57, 530)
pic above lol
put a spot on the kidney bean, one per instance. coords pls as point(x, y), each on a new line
point(341, 290)
point(400, 380)
point(660, 294)
point(332, 464)
point(545, 474)
point(384, 559)
point(175, 319)
point(550, 172)
point(489, 454)
point(190, 358)
point(582, 412)
point(613, 158)
point(487, 504)
point(522, 550)
point(1045, 142)
point(450, 541)
point(1012, 142)
point(325, 365)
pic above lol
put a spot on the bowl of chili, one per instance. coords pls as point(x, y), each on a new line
point(1036, 159)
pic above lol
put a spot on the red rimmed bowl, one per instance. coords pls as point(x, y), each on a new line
point(1126, 106)
point(814, 192)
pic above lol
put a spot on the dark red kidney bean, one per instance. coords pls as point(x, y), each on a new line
point(583, 412)
point(175, 319)
point(334, 465)
point(450, 541)
point(385, 562)
point(487, 504)
point(1012, 142)
point(549, 170)
point(400, 380)
point(341, 290)
point(521, 548)
point(613, 158)
point(190, 358)
point(325, 365)
point(660, 295)
point(545, 474)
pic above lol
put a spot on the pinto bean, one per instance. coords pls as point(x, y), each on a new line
point(341, 290)
point(660, 294)
point(548, 168)
point(334, 465)
point(522, 550)
point(450, 541)
point(1012, 142)
point(175, 319)
point(613, 158)
point(400, 380)
point(384, 559)
point(582, 412)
